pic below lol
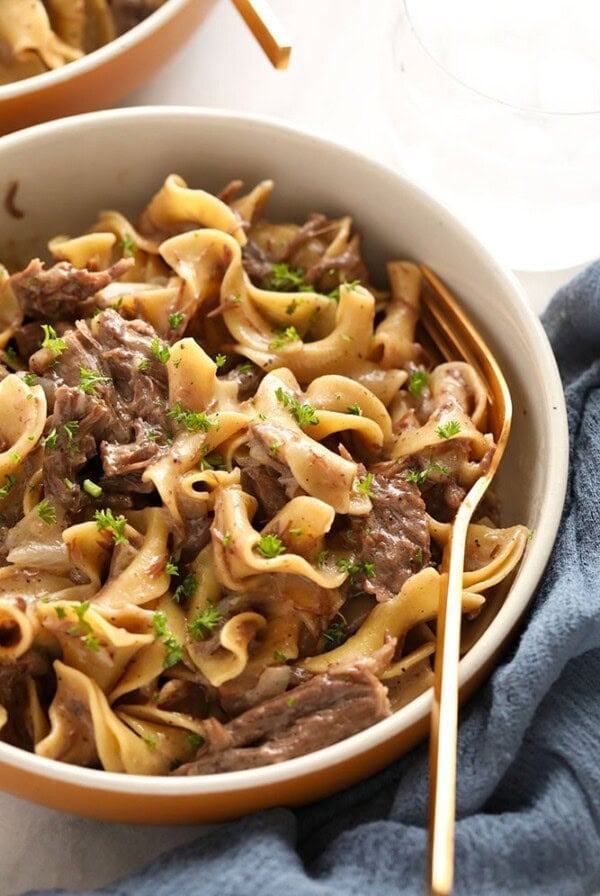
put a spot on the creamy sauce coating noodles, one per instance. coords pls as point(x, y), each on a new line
point(228, 470)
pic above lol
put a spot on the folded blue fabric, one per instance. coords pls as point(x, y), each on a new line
point(528, 798)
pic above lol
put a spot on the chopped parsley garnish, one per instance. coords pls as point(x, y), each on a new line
point(51, 439)
point(419, 556)
point(201, 628)
point(364, 485)
point(335, 634)
point(91, 488)
point(212, 461)
point(160, 350)
point(335, 293)
point(303, 412)
point(52, 341)
point(321, 558)
point(46, 511)
point(421, 476)
point(280, 656)
point(416, 381)
point(171, 567)
point(15, 457)
point(60, 612)
point(186, 589)
point(297, 531)
point(143, 365)
point(106, 520)
point(354, 409)
point(128, 246)
point(244, 367)
point(270, 546)
point(71, 427)
point(11, 353)
point(173, 649)
point(220, 360)
point(195, 739)
point(291, 701)
point(227, 539)
point(345, 564)
point(452, 428)
point(9, 483)
point(285, 279)
point(150, 741)
point(89, 379)
point(284, 337)
point(176, 319)
point(193, 421)
point(84, 629)
point(30, 379)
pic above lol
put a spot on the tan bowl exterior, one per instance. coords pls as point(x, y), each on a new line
point(103, 77)
point(397, 220)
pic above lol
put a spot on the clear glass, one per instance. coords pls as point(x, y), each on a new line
point(496, 110)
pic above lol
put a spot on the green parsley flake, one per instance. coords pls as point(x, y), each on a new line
point(52, 341)
point(284, 337)
point(201, 628)
point(160, 350)
point(220, 360)
point(51, 439)
point(150, 741)
point(227, 539)
point(303, 412)
point(106, 521)
point(270, 546)
point(193, 421)
point(128, 246)
point(364, 485)
point(452, 428)
point(345, 564)
point(354, 409)
point(194, 739)
point(335, 634)
point(30, 379)
point(89, 379)
point(173, 649)
point(171, 567)
point(280, 656)
point(335, 293)
point(143, 365)
point(186, 589)
point(285, 279)
point(176, 319)
point(417, 380)
point(46, 511)
point(321, 558)
point(9, 483)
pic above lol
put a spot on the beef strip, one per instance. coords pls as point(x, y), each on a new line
point(394, 537)
point(263, 483)
point(63, 291)
point(322, 711)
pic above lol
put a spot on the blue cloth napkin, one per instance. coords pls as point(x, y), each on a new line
point(528, 798)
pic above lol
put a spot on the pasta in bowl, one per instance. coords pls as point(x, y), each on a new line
point(226, 493)
point(63, 57)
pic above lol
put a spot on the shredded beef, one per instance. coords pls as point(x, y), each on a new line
point(394, 537)
point(263, 483)
point(320, 712)
point(62, 291)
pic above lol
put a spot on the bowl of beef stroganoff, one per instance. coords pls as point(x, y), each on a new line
point(230, 464)
point(60, 58)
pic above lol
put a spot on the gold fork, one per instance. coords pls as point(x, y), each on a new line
point(457, 339)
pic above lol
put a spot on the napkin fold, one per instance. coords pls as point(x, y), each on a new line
point(528, 795)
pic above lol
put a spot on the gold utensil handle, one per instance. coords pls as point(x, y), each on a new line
point(267, 29)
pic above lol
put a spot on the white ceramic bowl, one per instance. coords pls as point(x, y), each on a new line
point(103, 77)
point(67, 170)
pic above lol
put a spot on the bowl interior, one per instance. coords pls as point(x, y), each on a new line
point(67, 171)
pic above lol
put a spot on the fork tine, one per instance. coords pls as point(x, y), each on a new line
point(456, 338)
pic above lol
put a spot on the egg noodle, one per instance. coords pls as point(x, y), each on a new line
point(39, 35)
point(228, 471)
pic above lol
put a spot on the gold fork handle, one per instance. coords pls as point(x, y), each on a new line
point(267, 29)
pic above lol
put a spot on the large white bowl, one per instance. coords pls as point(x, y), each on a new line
point(67, 170)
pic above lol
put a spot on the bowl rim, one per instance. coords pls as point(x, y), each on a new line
point(96, 58)
point(520, 594)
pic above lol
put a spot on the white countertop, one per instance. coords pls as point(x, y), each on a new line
point(333, 86)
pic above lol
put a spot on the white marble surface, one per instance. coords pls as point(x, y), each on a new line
point(332, 86)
